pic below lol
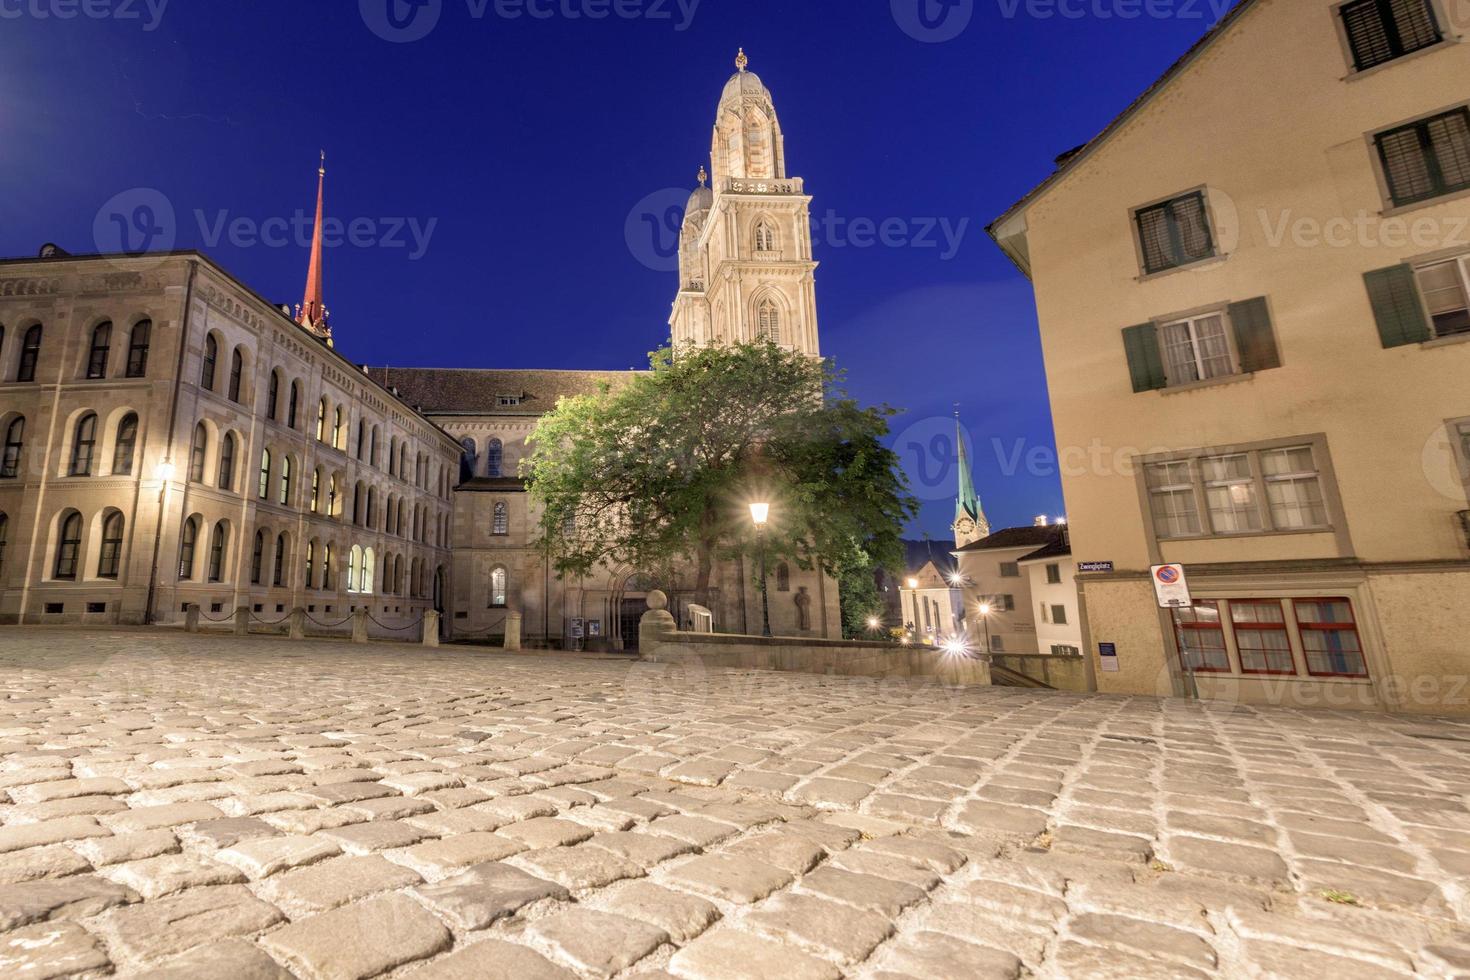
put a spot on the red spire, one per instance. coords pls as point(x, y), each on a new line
point(313, 311)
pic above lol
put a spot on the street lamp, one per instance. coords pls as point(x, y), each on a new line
point(164, 473)
point(984, 610)
point(873, 623)
point(760, 513)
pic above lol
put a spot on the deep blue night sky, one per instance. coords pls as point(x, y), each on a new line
point(528, 142)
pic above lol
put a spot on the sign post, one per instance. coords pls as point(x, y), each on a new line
point(1171, 586)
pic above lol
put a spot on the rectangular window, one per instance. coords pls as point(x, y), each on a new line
point(1428, 158)
point(1010, 569)
point(1196, 349)
point(996, 643)
point(1230, 490)
point(1260, 636)
point(1054, 575)
point(1174, 233)
point(1294, 488)
point(1379, 31)
point(1171, 494)
point(1059, 615)
point(1330, 638)
point(1201, 637)
point(1445, 287)
point(1063, 650)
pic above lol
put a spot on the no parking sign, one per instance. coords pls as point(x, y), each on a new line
point(1171, 586)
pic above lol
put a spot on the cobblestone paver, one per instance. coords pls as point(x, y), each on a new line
point(186, 806)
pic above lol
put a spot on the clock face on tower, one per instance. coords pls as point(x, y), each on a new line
point(964, 525)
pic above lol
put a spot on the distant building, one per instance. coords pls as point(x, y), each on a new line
point(1002, 590)
point(1254, 298)
point(1052, 576)
point(933, 604)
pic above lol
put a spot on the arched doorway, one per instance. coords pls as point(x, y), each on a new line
point(627, 603)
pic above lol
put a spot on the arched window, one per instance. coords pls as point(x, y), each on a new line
point(501, 524)
point(4, 535)
point(361, 436)
point(467, 458)
point(354, 567)
point(84, 447)
point(783, 577)
point(138, 348)
point(272, 395)
point(403, 461)
point(30, 353)
point(339, 434)
point(197, 453)
point(126, 445)
point(217, 552)
point(188, 541)
point(497, 588)
point(285, 497)
point(321, 421)
point(278, 574)
point(316, 489)
point(101, 345)
point(15, 435)
point(765, 237)
point(257, 558)
point(332, 495)
point(211, 358)
point(68, 546)
point(373, 449)
point(292, 403)
point(227, 462)
point(369, 581)
point(327, 566)
point(264, 489)
point(494, 457)
point(392, 455)
point(310, 560)
point(357, 503)
point(237, 368)
point(372, 507)
point(110, 557)
point(768, 320)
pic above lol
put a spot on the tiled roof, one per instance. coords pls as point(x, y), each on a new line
point(1060, 548)
point(917, 553)
point(1017, 537)
point(472, 391)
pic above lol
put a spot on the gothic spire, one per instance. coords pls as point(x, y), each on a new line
point(312, 313)
point(967, 502)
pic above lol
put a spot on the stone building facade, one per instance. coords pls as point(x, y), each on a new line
point(171, 438)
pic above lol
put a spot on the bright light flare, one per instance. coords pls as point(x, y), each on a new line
point(760, 513)
point(956, 646)
point(164, 471)
point(984, 608)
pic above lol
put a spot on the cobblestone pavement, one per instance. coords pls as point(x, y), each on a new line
point(186, 806)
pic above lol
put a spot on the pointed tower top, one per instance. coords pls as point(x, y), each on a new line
point(741, 61)
point(312, 313)
point(969, 517)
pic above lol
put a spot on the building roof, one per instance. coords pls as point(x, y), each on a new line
point(472, 391)
point(1059, 548)
point(919, 553)
point(1017, 537)
point(1074, 158)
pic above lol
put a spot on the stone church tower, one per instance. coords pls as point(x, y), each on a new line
point(745, 251)
point(970, 523)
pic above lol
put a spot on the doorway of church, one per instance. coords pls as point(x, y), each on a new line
point(629, 615)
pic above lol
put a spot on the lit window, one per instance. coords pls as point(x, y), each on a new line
point(501, 524)
point(1330, 638)
point(264, 489)
point(497, 588)
point(1230, 490)
point(1445, 287)
point(1260, 636)
point(1201, 637)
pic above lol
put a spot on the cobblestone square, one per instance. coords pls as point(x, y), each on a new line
point(177, 805)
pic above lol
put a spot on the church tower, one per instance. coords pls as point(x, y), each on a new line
point(312, 313)
point(970, 523)
point(745, 249)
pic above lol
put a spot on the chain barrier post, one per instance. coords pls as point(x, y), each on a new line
point(191, 618)
point(242, 620)
point(359, 625)
point(298, 623)
point(431, 627)
point(513, 631)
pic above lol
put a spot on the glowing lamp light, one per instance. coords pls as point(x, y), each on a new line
point(872, 622)
point(760, 513)
point(985, 609)
point(956, 579)
point(956, 646)
point(913, 583)
point(164, 471)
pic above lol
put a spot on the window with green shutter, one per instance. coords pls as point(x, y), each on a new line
point(1255, 341)
point(1396, 306)
point(1197, 347)
point(1141, 343)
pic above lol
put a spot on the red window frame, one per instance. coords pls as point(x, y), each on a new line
point(1218, 626)
point(1350, 627)
point(1262, 627)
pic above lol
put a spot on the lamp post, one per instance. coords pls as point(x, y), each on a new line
point(984, 610)
point(761, 513)
point(164, 472)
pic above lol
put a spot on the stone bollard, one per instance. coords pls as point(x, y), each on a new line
point(431, 627)
point(655, 623)
point(513, 631)
point(191, 618)
point(359, 625)
point(242, 620)
point(297, 630)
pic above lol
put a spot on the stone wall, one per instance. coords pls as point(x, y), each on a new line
point(845, 658)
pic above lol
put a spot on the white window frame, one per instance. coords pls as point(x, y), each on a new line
point(1462, 264)
point(1191, 323)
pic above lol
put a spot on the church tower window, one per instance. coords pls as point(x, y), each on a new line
point(765, 237)
point(768, 318)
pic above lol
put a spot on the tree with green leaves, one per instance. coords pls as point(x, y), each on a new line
point(661, 471)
